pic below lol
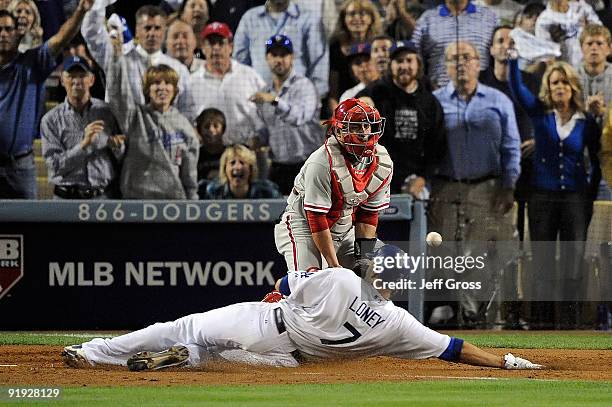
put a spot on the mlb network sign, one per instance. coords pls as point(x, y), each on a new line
point(11, 261)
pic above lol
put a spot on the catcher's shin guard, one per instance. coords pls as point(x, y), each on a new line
point(176, 356)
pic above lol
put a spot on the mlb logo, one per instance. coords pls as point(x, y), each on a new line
point(11, 261)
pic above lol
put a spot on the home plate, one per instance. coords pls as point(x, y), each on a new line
point(8, 365)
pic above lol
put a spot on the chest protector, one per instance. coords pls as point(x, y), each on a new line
point(344, 178)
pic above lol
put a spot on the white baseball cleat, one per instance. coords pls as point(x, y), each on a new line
point(176, 356)
point(512, 362)
point(74, 356)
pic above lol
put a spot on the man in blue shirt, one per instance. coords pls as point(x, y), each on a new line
point(472, 194)
point(22, 78)
point(310, 46)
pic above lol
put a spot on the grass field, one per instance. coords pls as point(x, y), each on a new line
point(483, 391)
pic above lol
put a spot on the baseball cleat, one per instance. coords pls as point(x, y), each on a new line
point(512, 362)
point(176, 356)
point(74, 356)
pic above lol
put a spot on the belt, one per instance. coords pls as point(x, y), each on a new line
point(77, 192)
point(7, 158)
point(280, 325)
point(467, 180)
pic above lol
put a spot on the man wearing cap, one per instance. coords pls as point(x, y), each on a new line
point(226, 84)
point(181, 44)
point(310, 46)
point(289, 109)
point(362, 69)
point(80, 140)
point(22, 78)
point(414, 135)
point(150, 34)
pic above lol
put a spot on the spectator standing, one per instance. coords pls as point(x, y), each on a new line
point(227, 84)
point(80, 139)
point(362, 69)
point(162, 155)
point(21, 96)
point(231, 11)
point(28, 23)
point(181, 44)
point(311, 54)
point(562, 22)
point(561, 203)
point(596, 79)
point(532, 49)
point(150, 34)
point(449, 23)
point(380, 52)
point(595, 72)
point(400, 18)
point(358, 21)
point(289, 110)
point(325, 10)
point(473, 192)
point(414, 133)
point(238, 177)
point(196, 13)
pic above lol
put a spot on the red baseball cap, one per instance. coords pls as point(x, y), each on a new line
point(217, 28)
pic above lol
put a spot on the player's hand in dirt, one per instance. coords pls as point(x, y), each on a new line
point(512, 362)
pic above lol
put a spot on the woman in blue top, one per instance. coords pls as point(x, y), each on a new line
point(563, 190)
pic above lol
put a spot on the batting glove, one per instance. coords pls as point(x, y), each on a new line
point(512, 362)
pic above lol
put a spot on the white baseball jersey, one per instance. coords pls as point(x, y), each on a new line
point(329, 314)
point(333, 313)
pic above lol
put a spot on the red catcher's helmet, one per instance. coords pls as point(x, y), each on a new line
point(357, 126)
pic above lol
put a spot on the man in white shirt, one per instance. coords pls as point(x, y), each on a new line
point(227, 85)
point(150, 33)
point(181, 44)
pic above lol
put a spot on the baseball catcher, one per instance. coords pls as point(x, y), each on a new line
point(338, 192)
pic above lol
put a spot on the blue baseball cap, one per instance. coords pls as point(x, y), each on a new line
point(357, 50)
point(280, 41)
point(74, 61)
point(400, 46)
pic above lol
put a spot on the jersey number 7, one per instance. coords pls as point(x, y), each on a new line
point(350, 339)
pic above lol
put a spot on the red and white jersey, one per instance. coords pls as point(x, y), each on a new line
point(327, 184)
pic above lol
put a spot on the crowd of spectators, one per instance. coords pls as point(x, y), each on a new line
point(220, 99)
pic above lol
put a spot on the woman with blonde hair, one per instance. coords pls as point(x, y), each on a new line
point(238, 175)
point(561, 203)
point(358, 22)
point(28, 23)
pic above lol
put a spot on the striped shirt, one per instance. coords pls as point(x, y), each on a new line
point(63, 129)
point(292, 128)
point(437, 28)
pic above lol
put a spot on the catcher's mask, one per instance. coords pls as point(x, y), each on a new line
point(357, 126)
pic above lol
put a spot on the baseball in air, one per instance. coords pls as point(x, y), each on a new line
point(433, 239)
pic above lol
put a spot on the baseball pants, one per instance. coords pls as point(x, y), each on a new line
point(244, 332)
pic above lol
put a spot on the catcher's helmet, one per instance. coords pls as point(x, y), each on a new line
point(357, 126)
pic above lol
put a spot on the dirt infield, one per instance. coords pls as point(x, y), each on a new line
point(42, 365)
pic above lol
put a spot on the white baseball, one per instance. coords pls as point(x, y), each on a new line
point(433, 239)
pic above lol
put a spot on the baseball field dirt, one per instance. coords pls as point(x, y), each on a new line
point(42, 365)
